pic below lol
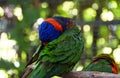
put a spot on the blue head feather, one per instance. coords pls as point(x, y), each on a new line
point(47, 32)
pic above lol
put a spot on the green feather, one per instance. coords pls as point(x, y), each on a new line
point(60, 55)
point(101, 63)
point(37, 73)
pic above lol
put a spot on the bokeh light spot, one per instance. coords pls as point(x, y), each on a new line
point(107, 50)
point(18, 13)
point(1, 11)
point(67, 5)
point(107, 15)
point(86, 28)
point(3, 74)
point(95, 6)
point(17, 64)
point(44, 5)
point(116, 54)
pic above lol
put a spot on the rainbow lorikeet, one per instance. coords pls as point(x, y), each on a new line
point(62, 51)
point(102, 63)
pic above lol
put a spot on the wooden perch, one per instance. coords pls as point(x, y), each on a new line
point(28, 71)
point(90, 74)
point(79, 74)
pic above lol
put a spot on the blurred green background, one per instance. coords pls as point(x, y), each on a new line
point(99, 21)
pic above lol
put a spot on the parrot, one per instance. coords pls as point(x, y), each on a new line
point(102, 63)
point(61, 47)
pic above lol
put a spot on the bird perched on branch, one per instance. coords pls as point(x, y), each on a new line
point(102, 63)
point(61, 48)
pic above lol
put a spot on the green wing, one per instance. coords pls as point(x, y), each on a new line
point(59, 55)
point(67, 48)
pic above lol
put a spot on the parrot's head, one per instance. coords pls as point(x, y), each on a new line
point(66, 23)
point(109, 59)
point(53, 27)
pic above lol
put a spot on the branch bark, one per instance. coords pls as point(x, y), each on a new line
point(97, 22)
point(28, 71)
point(89, 74)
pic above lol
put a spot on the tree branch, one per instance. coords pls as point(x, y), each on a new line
point(28, 71)
point(89, 74)
point(97, 22)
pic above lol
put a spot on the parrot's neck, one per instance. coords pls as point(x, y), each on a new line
point(44, 43)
